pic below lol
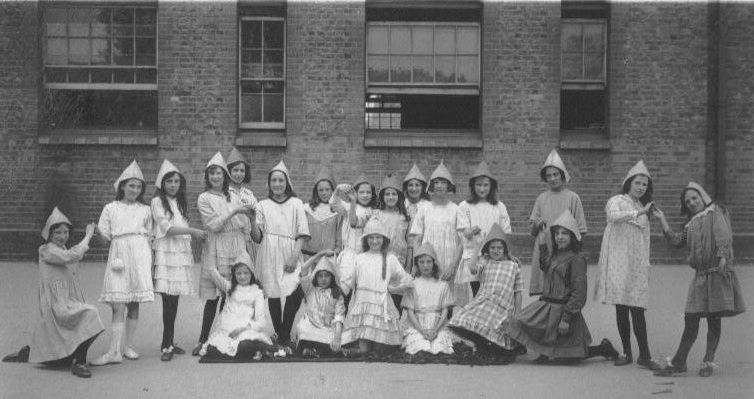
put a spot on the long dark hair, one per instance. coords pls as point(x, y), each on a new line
point(647, 197)
point(234, 281)
point(373, 202)
point(435, 267)
point(422, 196)
point(334, 289)
point(246, 174)
point(121, 194)
point(685, 210)
point(55, 226)
point(180, 196)
point(383, 250)
point(288, 189)
point(574, 246)
point(315, 200)
point(226, 181)
point(451, 186)
point(401, 204)
point(491, 196)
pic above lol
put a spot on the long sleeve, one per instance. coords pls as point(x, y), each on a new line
point(616, 213)
point(578, 213)
point(55, 255)
point(211, 217)
point(463, 217)
point(577, 288)
point(103, 225)
point(218, 279)
point(544, 257)
point(723, 235)
point(505, 219)
point(307, 283)
point(160, 219)
point(518, 283)
point(259, 322)
point(677, 240)
point(302, 224)
point(340, 310)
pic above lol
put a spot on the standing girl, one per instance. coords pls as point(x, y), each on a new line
point(372, 317)
point(475, 218)
point(714, 292)
point(624, 262)
point(225, 218)
point(126, 223)
point(240, 176)
point(426, 307)
point(173, 258)
point(324, 223)
point(281, 229)
point(548, 206)
point(393, 215)
point(362, 203)
point(415, 191)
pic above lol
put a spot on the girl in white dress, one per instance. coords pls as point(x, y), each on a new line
point(126, 224)
point(393, 215)
point(240, 176)
point(362, 202)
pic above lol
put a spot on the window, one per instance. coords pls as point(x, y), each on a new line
point(100, 68)
point(262, 73)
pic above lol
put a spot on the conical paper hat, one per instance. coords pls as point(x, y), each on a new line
point(442, 172)
point(167, 167)
point(131, 172)
point(567, 221)
point(415, 173)
point(425, 249)
point(361, 179)
point(236, 156)
point(374, 226)
point(482, 170)
point(325, 174)
point(638, 169)
point(55, 217)
point(554, 160)
point(217, 160)
point(496, 233)
point(325, 263)
point(280, 167)
point(703, 193)
point(391, 181)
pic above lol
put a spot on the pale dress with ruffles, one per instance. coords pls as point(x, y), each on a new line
point(64, 319)
point(173, 258)
point(428, 299)
point(351, 239)
point(397, 226)
point(321, 312)
point(246, 307)
point(224, 243)
point(128, 227)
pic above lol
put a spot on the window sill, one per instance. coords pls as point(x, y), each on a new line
point(261, 138)
point(423, 138)
point(99, 137)
point(587, 139)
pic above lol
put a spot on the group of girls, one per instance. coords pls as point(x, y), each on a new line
point(365, 271)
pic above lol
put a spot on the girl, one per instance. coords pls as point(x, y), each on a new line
point(393, 215)
point(225, 218)
point(241, 329)
point(372, 317)
point(624, 262)
point(126, 223)
point(173, 258)
point(548, 206)
point(362, 201)
point(321, 326)
point(415, 191)
point(485, 318)
point(553, 326)
point(714, 292)
point(324, 223)
point(281, 229)
point(475, 217)
point(426, 307)
point(240, 175)
point(66, 325)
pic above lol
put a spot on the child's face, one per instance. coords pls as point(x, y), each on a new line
point(243, 275)
point(482, 186)
point(238, 173)
point(391, 197)
point(364, 194)
point(426, 265)
point(638, 186)
point(693, 201)
point(171, 184)
point(554, 178)
point(375, 242)
point(496, 250)
point(278, 183)
point(324, 279)
point(439, 187)
point(216, 177)
point(324, 191)
point(59, 236)
point(414, 189)
point(132, 190)
point(562, 238)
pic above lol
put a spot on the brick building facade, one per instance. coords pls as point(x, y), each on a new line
point(673, 87)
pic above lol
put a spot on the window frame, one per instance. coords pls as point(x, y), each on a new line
point(585, 84)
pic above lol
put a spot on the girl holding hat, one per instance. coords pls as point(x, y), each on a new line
point(324, 223)
point(393, 215)
point(624, 262)
point(127, 224)
point(714, 291)
point(475, 218)
point(240, 175)
point(281, 229)
point(173, 257)
point(548, 206)
point(225, 219)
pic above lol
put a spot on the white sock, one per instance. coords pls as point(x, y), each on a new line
point(117, 338)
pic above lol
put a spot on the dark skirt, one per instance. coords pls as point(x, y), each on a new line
point(536, 327)
point(715, 293)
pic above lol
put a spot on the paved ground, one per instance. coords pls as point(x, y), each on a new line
point(184, 377)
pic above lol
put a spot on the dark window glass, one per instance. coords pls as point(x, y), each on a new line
point(100, 109)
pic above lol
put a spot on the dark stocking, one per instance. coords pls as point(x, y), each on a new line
point(475, 287)
point(276, 316)
point(210, 307)
point(397, 301)
point(640, 331)
point(690, 331)
point(169, 311)
point(624, 328)
point(292, 303)
point(714, 328)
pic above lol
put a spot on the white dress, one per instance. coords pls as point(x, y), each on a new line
point(428, 299)
point(173, 259)
point(397, 226)
point(245, 308)
point(320, 313)
point(351, 239)
point(484, 215)
point(127, 226)
point(281, 224)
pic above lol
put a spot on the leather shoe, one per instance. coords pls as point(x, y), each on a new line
point(80, 370)
point(22, 356)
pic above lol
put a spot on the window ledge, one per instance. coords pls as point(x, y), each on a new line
point(261, 138)
point(587, 139)
point(86, 137)
point(423, 138)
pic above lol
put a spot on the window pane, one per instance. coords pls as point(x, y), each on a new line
point(100, 51)
point(251, 34)
point(594, 67)
point(377, 40)
point(273, 64)
point(445, 41)
point(273, 34)
point(102, 76)
point(55, 75)
point(400, 68)
point(248, 87)
point(427, 112)
point(570, 38)
point(79, 51)
point(123, 21)
point(251, 108)
point(146, 22)
point(571, 67)
point(101, 22)
point(423, 69)
point(377, 68)
point(468, 69)
point(594, 37)
point(55, 21)
point(57, 52)
point(273, 107)
point(124, 76)
point(272, 87)
point(373, 120)
point(100, 109)
point(400, 40)
point(468, 41)
point(445, 69)
point(123, 51)
point(251, 63)
point(422, 40)
point(146, 75)
point(146, 52)
point(582, 109)
point(78, 76)
point(78, 22)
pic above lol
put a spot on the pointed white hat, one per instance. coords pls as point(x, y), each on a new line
point(391, 181)
point(442, 172)
point(218, 160)
point(55, 217)
point(374, 226)
point(324, 174)
point(280, 167)
point(425, 249)
point(638, 169)
point(415, 173)
point(165, 168)
point(554, 160)
point(698, 188)
point(496, 233)
point(568, 222)
point(131, 172)
point(236, 156)
point(482, 170)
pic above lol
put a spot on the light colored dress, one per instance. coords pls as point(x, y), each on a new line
point(245, 308)
point(372, 314)
point(173, 259)
point(428, 299)
point(351, 239)
point(64, 319)
point(323, 229)
point(128, 227)
point(548, 207)
point(484, 215)
point(320, 313)
point(224, 243)
point(624, 257)
point(397, 226)
point(412, 208)
point(281, 224)
point(246, 197)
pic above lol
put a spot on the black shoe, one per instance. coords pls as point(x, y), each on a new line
point(648, 364)
point(178, 350)
point(22, 356)
point(608, 350)
point(80, 370)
